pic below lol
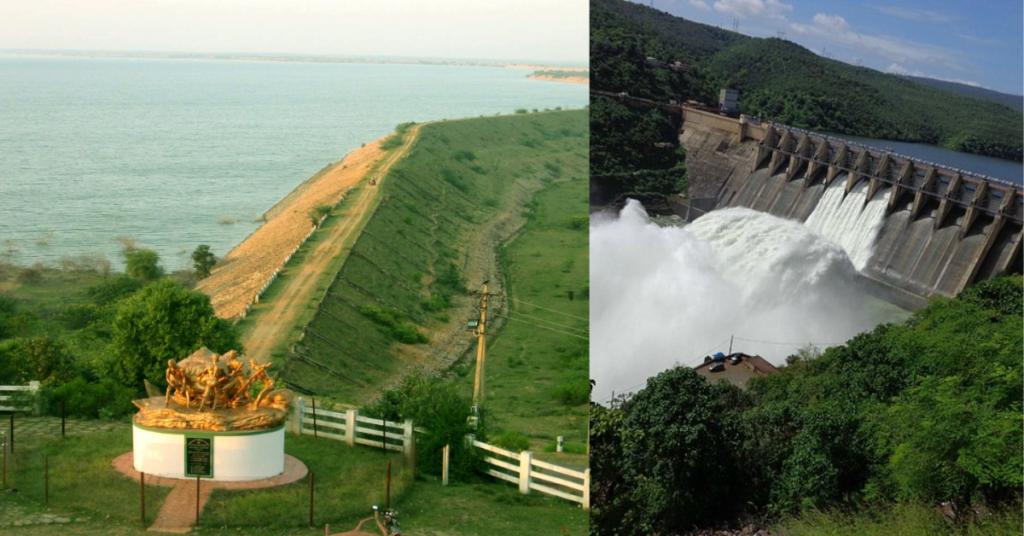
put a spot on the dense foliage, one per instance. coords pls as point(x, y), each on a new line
point(784, 82)
point(437, 406)
point(634, 150)
point(164, 321)
point(920, 412)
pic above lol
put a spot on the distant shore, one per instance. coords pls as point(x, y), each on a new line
point(566, 79)
point(279, 58)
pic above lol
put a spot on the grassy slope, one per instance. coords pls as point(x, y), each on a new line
point(336, 217)
point(457, 178)
point(525, 364)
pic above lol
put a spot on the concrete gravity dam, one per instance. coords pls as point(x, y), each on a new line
point(912, 229)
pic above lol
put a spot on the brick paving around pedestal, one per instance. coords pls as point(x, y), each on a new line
point(178, 513)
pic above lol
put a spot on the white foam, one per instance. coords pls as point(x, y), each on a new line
point(666, 296)
point(848, 220)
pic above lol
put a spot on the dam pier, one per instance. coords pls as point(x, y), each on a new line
point(913, 229)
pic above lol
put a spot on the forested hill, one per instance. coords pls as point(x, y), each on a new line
point(1015, 102)
point(781, 81)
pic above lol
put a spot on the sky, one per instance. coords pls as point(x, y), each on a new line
point(511, 30)
point(976, 42)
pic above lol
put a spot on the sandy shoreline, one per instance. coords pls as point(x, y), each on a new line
point(565, 79)
point(240, 275)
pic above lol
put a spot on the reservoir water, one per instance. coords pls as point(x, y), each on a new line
point(1004, 170)
point(164, 150)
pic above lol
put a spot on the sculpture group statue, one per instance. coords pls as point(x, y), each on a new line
point(220, 380)
point(207, 391)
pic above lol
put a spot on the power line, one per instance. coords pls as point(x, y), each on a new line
point(550, 322)
point(822, 344)
point(701, 356)
point(546, 309)
point(542, 327)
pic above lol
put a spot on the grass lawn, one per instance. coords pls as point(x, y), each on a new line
point(486, 508)
point(81, 477)
point(542, 347)
point(349, 481)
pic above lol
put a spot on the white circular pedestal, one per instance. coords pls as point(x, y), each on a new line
point(243, 455)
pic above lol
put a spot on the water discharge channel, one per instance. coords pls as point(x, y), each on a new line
point(666, 296)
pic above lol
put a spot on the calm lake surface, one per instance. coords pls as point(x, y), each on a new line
point(1005, 170)
point(163, 150)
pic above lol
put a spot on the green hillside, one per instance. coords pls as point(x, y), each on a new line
point(784, 82)
point(401, 294)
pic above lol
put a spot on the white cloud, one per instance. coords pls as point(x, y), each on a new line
point(831, 22)
point(896, 68)
point(834, 30)
point(700, 4)
point(772, 9)
point(920, 15)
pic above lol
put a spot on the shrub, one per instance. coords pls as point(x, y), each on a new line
point(391, 323)
point(573, 391)
point(450, 280)
point(403, 127)
point(511, 440)
point(437, 302)
point(89, 400)
point(463, 155)
point(32, 275)
point(442, 411)
point(392, 142)
point(318, 212)
point(408, 334)
point(114, 289)
point(577, 223)
point(203, 260)
point(143, 264)
point(521, 110)
point(555, 169)
point(79, 315)
point(39, 359)
point(387, 317)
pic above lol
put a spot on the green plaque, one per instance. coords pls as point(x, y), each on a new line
point(199, 456)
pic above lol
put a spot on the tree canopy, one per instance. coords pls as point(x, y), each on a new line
point(924, 411)
point(164, 321)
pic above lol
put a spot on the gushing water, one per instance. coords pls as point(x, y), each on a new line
point(669, 295)
point(850, 220)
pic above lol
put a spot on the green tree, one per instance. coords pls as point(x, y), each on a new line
point(39, 359)
point(143, 264)
point(203, 260)
point(164, 321)
point(439, 408)
point(679, 438)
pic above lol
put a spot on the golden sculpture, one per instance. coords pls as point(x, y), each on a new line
point(221, 385)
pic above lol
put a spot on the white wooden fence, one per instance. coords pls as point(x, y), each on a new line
point(517, 468)
point(534, 475)
point(7, 401)
point(355, 429)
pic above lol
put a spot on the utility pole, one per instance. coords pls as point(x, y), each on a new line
point(730, 344)
point(480, 380)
